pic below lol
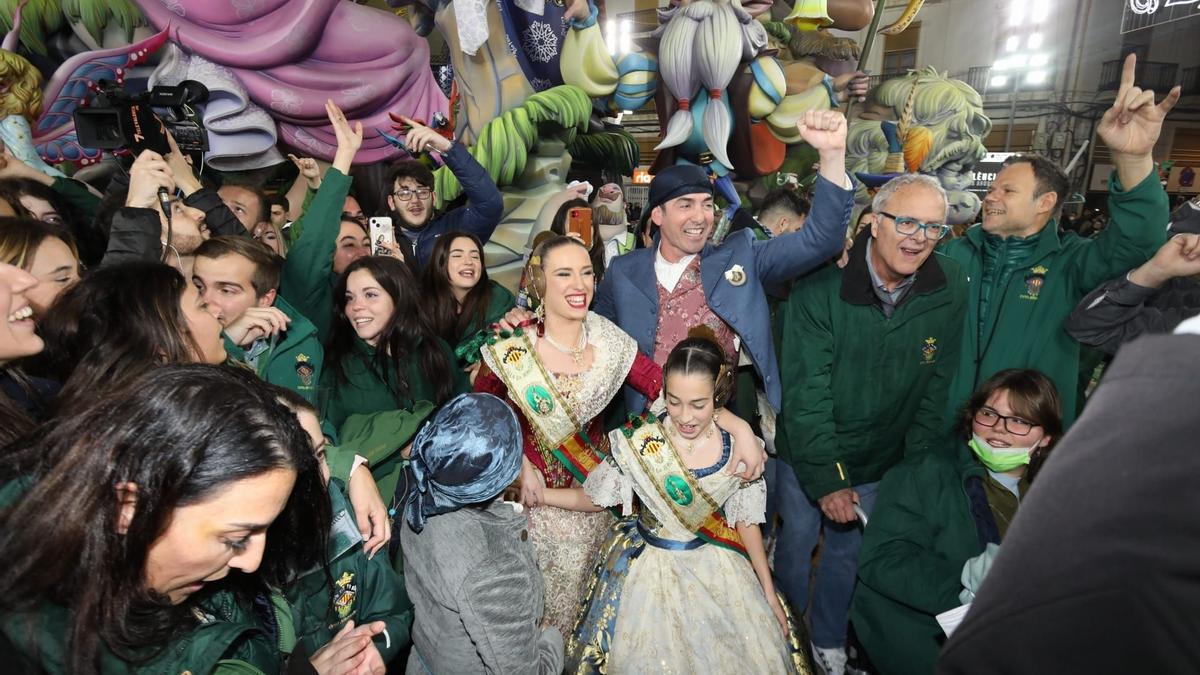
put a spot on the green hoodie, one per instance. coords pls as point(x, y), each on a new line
point(308, 279)
point(364, 590)
point(1025, 310)
point(864, 390)
point(293, 359)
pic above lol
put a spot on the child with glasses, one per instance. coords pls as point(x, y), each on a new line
point(940, 517)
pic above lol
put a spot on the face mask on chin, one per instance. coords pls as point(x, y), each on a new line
point(1000, 460)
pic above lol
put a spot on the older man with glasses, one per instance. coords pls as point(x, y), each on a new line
point(867, 355)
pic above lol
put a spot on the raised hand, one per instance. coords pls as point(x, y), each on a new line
point(11, 166)
point(1133, 124)
point(257, 323)
point(309, 170)
point(349, 139)
point(1179, 257)
point(825, 131)
point(577, 10)
point(852, 85)
point(150, 171)
point(421, 138)
point(181, 168)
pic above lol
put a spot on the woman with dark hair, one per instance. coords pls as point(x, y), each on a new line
point(940, 517)
point(460, 299)
point(382, 357)
point(121, 522)
point(694, 554)
point(559, 226)
point(121, 321)
point(45, 251)
point(18, 340)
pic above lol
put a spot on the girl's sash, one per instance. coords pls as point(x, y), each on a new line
point(533, 390)
point(661, 470)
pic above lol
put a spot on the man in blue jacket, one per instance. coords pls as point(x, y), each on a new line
point(411, 197)
point(657, 294)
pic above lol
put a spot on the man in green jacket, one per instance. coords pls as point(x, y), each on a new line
point(239, 279)
point(867, 353)
point(1024, 278)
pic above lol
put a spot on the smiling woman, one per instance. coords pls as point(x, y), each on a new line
point(44, 251)
point(122, 521)
point(460, 299)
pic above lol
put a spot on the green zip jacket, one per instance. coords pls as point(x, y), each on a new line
point(353, 407)
point(364, 590)
point(863, 390)
point(308, 279)
point(1024, 326)
point(922, 532)
point(226, 640)
point(500, 302)
point(294, 358)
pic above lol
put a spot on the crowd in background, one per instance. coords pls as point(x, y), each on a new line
point(242, 433)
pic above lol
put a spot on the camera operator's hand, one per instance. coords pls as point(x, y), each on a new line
point(310, 171)
point(421, 138)
point(11, 166)
point(149, 172)
point(181, 168)
point(349, 139)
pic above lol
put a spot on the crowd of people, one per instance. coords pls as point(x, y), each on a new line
point(241, 435)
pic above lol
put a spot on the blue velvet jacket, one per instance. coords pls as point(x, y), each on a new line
point(628, 295)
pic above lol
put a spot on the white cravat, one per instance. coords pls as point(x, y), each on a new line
point(668, 273)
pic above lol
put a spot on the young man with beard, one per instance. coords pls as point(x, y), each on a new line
point(411, 197)
point(608, 212)
point(248, 204)
point(1024, 279)
point(867, 352)
point(238, 278)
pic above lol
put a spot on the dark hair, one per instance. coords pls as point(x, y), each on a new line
point(268, 266)
point(75, 226)
point(787, 200)
point(404, 339)
point(701, 355)
point(114, 325)
point(278, 200)
point(21, 237)
point(181, 434)
point(559, 226)
point(9, 196)
point(264, 208)
point(1047, 175)
point(441, 308)
point(410, 168)
point(1032, 396)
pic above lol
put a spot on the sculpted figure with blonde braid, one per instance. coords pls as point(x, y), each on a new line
point(559, 373)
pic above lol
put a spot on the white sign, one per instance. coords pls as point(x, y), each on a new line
point(1140, 14)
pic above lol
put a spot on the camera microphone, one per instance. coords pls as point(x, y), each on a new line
point(164, 202)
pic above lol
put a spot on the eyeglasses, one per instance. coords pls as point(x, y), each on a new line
point(1013, 425)
point(406, 194)
point(909, 226)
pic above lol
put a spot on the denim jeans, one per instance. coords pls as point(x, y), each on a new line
point(797, 536)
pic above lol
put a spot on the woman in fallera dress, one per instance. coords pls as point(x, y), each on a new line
point(683, 586)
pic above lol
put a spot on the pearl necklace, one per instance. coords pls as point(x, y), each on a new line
point(691, 445)
point(576, 352)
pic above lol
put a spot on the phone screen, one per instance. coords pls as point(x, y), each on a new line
point(381, 234)
point(579, 223)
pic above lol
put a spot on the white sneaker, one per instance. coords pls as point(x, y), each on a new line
point(829, 661)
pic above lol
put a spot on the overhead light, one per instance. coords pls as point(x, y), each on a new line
point(1036, 77)
point(626, 42)
point(1039, 60)
point(1040, 10)
point(1013, 42)
point(1016, 13)
point(1035, 41)
point(1000, 64)
point(998, 81)
point(1017, 61)
point(610, 35)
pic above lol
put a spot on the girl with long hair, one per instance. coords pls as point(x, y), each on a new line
point(460, 299)
point(122, 521)
point(693, 555)
point(121, 321)
point(939, 518)
point(45, 251)
point(18, 340)
point(382, 358)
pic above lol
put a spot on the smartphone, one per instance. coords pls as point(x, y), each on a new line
point(382, 234)
point(579, 223)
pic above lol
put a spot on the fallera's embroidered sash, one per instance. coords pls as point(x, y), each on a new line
point(532, 389)
point(660, 469)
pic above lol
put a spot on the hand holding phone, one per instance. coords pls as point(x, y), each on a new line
point(382, 234)
point(579, 224)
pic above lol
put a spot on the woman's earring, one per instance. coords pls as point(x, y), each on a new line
point(540, 315)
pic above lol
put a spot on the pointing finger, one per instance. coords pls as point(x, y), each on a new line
point(1127, 75)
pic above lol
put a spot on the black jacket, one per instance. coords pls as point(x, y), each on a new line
point(1121, 310)
point(1099, 572)
point(136, 233)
